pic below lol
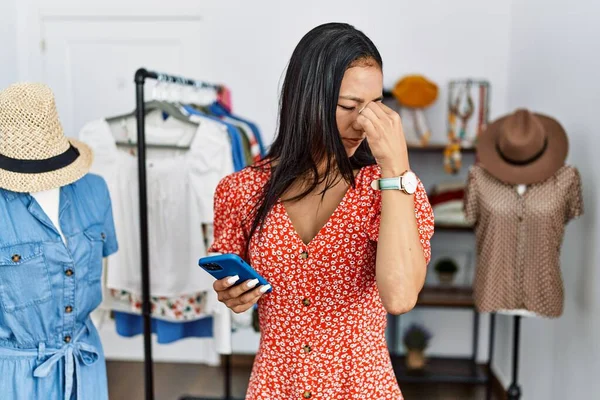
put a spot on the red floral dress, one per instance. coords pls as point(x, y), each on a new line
point(323, 325)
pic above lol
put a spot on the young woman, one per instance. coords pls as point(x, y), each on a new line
point(338, 252)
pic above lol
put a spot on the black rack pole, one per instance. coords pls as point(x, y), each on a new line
point(514, 390)
point(488, 393)
point(140, 78)
point(475, 342)
point(140, 113)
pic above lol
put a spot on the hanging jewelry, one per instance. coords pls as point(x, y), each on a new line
point(465, 114)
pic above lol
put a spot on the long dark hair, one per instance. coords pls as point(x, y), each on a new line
point(307, 133)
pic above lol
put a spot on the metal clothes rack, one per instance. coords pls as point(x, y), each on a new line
point(141, 76)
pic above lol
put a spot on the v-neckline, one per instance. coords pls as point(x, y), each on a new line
point(319, 233)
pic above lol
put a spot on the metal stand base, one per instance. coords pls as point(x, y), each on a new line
point(514, 392)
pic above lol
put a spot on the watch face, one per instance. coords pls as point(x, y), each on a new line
point(409, 182)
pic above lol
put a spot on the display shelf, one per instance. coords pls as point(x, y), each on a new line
point(436, 148)
point(447, 297)
point(442, 370)
point(451, 227)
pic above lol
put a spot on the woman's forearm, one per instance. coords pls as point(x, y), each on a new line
point(400, 267)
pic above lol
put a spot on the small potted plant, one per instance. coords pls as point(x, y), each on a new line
point(416, 339)
point(446, 269)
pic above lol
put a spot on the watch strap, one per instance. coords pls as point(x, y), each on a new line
point(394, 183)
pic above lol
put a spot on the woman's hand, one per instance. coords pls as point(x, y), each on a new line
point(239, 298)
point(385, 136)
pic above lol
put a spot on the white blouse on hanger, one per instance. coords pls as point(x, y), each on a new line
point(180, 198)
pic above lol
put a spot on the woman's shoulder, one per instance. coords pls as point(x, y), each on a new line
point(369, 173)
point(243, 184)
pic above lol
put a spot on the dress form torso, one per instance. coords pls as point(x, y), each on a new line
point(49, 200)
point(521, 189)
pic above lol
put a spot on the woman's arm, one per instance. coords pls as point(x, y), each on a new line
point(401, 262)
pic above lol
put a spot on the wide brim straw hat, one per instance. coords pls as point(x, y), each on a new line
point(523, 147)
point(35, 155)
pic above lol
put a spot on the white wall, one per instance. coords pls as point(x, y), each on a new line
point(8, 42)
point(555, 69)
point(247, 45)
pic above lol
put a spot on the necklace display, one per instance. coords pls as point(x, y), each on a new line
point(461, 110)
point(452, 154)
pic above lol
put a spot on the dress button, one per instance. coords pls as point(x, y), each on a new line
point(306, 302)
point(67, 339)
point(16, 258)
point(68, 309)
point(307, 348)
point(307, 395)
point(304, 255)
point(103, 235)
point(69, 272)
point(520, 218)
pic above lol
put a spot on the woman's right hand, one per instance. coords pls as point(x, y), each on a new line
point(241, 297)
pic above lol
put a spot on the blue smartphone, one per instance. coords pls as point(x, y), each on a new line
point(224, 265)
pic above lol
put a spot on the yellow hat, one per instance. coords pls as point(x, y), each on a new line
point(415, 91)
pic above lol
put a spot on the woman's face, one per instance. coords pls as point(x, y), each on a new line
point(360, 85)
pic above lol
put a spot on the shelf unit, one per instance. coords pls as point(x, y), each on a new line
point(443, 369)
point(449, 227)
point(440, 369)
point(436, 148)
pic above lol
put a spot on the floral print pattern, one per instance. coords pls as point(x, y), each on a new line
point(323, 325)
point(182, 308)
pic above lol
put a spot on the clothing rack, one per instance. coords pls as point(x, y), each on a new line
point(141, 75)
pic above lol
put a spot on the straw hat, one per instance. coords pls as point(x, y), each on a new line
point(34, 153)
point(523, 147)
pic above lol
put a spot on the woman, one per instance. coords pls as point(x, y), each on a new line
point(338, 253)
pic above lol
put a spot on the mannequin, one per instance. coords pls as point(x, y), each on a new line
point(49, 200)
point(521, 186)
point(521, 189)
point(49, 346)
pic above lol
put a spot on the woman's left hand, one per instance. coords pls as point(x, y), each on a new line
point(385, 136)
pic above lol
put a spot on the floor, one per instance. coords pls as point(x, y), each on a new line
point(176, 381)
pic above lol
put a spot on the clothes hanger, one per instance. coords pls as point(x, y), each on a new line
point(165, 99)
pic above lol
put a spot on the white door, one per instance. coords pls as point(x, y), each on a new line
point(90, 62)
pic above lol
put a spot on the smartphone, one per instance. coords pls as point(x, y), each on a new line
point(224, 265)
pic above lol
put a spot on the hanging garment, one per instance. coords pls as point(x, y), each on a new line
point(180, 197)
point(173, 309)
point(237, 150)
point(246, 145)
point(519, 240)
point(130, 325)
point(49, 349)
point(252, 142)
point(217, 109)
point(196, 172)
point(323, 325)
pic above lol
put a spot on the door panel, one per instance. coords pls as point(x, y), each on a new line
point(90, 64)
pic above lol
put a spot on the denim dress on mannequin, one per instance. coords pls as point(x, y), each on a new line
point(49, 348)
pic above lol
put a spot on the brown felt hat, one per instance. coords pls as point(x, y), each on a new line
point(523, 147)
point(35, 155)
